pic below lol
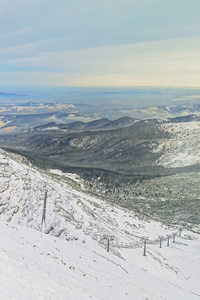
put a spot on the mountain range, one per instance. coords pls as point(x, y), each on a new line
point(105, 124)
point(150, 147)
point(20, 118)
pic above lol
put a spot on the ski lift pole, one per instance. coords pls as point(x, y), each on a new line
point(44, 211)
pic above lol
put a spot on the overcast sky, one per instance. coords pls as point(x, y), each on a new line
point(99, 43)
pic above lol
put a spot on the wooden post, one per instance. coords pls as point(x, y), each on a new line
point(44, 212)
point(108, 245)
point(173, 235)
point(160, 237)
point(180, 230)
point(168, 236)
point(145, 247)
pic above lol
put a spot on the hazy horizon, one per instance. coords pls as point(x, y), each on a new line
point(116, 96)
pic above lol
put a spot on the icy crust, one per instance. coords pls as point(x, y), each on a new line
point(182, 148)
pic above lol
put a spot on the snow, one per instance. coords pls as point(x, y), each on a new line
point(67, 262)
point(50, 128)
point(182, 148)
point(74, 177)
point(38, 266)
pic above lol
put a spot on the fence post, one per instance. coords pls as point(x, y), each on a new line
point(108, 245)
point(168, 236)
point(173, 235)
point(180, 230)
point(160, 237)
point(145, 246)
point(44, 211)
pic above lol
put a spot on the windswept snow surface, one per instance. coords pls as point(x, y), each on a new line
point(69, 260)
point(38, 266)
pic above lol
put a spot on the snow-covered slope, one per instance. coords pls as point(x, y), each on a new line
point(183, 148)
point(71, 261)
point(70, 212)
point(38, 266)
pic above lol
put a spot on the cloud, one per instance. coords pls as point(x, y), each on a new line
point(186, 99)
point(165, 63)
point(99, 43)
point(15, 32)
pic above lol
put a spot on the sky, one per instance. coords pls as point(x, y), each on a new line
point(93, 43)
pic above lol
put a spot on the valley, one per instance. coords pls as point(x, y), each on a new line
point(123, 202)
point(152, 169)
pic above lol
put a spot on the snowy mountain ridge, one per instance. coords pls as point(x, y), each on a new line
point(182, 148)
point(70, 261)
